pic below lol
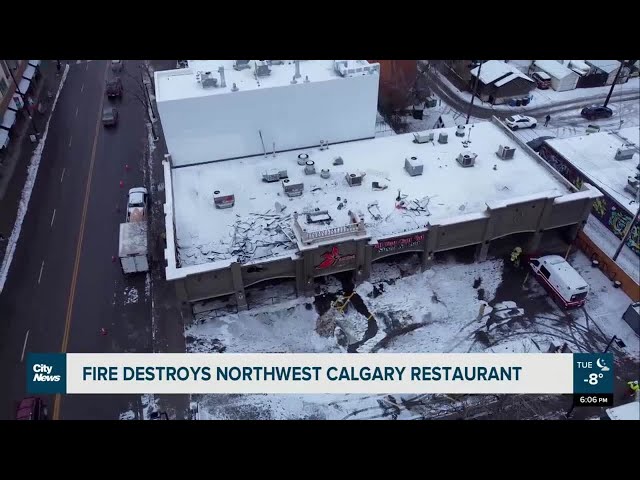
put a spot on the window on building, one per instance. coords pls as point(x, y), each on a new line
point(3, 86)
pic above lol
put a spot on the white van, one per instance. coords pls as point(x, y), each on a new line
point(559, 278)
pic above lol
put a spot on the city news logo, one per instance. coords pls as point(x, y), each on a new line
point(46, 373)
point(592, 373)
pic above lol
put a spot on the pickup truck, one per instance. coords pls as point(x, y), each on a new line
point(137, 205)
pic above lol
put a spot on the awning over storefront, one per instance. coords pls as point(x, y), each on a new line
point(4, 138)
point(8, 119)
point(35, 63)
point(29, 72)
point(24, 85)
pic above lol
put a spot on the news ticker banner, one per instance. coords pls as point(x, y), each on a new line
point(310, 373)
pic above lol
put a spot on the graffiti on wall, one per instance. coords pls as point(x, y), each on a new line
point(609, 212)
point(397, 244)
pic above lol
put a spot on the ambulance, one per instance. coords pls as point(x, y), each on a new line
point(560, 279)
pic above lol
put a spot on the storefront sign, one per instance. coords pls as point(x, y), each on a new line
point(396, 244)
point(333, 258)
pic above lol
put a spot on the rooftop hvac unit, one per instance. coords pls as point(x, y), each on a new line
point(633, 185)
point(443, 138)
point(413, 166)
point(423, 137)
point(208, 80)
point(467, 159)
point(354, 179)
point(310, 167)
point(241, 64)
point(505, 152)
point(625, 153)
point(460, 131)
point(274, 175)
point(262, 69)
point(292, 188)
point(223, 200)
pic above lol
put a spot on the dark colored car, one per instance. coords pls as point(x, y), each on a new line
point(595, 112)
point(536, 144)
point(109, 116)
point(114, 88)
point(32, 408)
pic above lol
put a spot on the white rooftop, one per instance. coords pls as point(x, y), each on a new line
point(183, 83)
point(253, 228)
point(492, 70)
point(553, 68)
point(607, 66)
point(629, 411)
point(594, 156)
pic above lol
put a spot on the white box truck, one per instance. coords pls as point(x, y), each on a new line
point(134, 250)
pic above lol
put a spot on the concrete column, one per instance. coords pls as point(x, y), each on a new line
point(300, 276)
point(533, 243)
point(238, 286)
point(308, 272)
point(362, 268)
point(429, 246)
point(483, 248)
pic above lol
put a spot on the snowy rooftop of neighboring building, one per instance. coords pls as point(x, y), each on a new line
point(493, 70)
point(594, 156)
point(553, 68)
point(607, 66)
point(187, 82)
point(629, 411)
point(255, 227)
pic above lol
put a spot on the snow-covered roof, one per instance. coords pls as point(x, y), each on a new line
point(553, 68)
point(607, 66)
point(255, 223)
point(628, 411)
point(594, 156)
point(133, 238)
point(493, 70)
point(183, 83)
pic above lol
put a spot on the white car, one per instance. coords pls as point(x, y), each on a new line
point(520, 121)
point(137, 205)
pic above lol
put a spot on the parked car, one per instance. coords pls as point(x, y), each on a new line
point(117, 65)
point(109, 116)
point(114, 87)
point(137, 204)
point(536, 144)
point(542, 79)
point(520, 121)
point(563, 283)
point(32, 408)
point(596, 112)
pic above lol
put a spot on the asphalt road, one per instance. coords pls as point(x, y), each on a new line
point(63, 286)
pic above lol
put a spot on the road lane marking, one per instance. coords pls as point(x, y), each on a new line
point(41, 268)
point(87, 65)
point(77, 111)
point(70, 138)
point(53, 217)
point(82, 88)
point(24, 346)
point(62, 176)
point(74, 277)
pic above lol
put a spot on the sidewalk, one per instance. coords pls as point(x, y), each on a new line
point(20, 149)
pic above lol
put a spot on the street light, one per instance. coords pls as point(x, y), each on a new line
point(615, 80)
point(626, 236)
point(619, 343)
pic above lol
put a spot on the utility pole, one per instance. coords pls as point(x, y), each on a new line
point(626, 235)
point(473, 94)
point(622, 65)
point(25, 103)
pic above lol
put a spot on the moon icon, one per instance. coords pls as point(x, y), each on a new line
point(599, 363)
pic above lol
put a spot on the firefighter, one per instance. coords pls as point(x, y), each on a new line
point(515, 256)
point(635, 388)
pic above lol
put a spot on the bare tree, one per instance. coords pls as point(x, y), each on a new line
point(141, 92)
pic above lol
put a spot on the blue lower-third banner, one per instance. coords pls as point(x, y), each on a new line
point(300, 373)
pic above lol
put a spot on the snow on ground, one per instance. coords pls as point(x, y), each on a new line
point(130, 295)
point(434, 311)
point(608, 243)
point(253, 229)
point(32, 173)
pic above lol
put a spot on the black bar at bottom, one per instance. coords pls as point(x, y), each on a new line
point(593, 399)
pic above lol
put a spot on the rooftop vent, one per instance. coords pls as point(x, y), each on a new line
point(338, 161)
point(423, 137)
point(207, 80)
point(262, 69)
point(310, 167)
point(302, 159)
point(625, 152)
point(467, 159)
point(346, 68)
point(460, 131)
point(354, 179)
point(505, 152)
point(324, 173)
point(241, 64)
point(443, 138)
point(413, 166)
point(274, 175)
point(223, 199)
point(292, 188)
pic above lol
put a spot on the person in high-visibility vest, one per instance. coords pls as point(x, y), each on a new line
point(635, 388)
point(515, 256)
